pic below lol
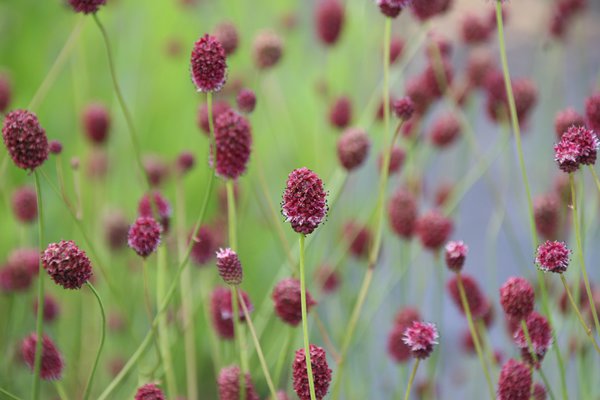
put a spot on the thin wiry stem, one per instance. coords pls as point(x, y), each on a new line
point(7, 395)
point(586, 328)
point(39, 325)
point(163, 332)
point(411, 379)
point(311, 379)
point(88, 386)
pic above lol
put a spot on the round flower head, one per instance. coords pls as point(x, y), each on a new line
point(525, 94)
point(540, 334)
point(267, 50)
point(586, 141)
point(228, 383)
point(328, 278)
point(456, 252)
point(359, 238)
point(304, 201)
point(204, 246)
point(397, 349)
point(96, 123)
point(5, 92)
point(475, 298)
point(421, 338)
point(144, 236)
point(392, 8)
point(219, 107)
point(425, 9)
point(116, 229)
point(208, 64)
point(517, 298)
point(286, 296)
point(246, 100)
point(229, 266)
point(478, 65)
point(156, 170)
point(159, 205)
point(475, 29)
point(24, 204)
point(397, 157)
point(227, 35)
point(86, 6)
point(149, 391)
point(566, 154)
point(329, 21)
point(353, 148)
point(185, 162)
point(553, 256)
point(51, 309)
point(320, 370)
point(565, 119)
point(547, 215)
point(221, 311)
point(445, 130)
point(15, 278)
point(592, 111)
point(233, 139)
point(433, 229)
point(55, 147)
point(25, 139)
point(402, 213)
point(66, 264)
point(396, 49)
point(403, 108)
point(515, 381)
point(539, 392)
point(52, 362)
point(26, 258)
point(340, 113)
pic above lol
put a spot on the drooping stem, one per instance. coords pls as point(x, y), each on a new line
point(259, 351)
point(88, 386)
point(587, 330)
point(474, 334)
point(586, 281)
point(39, 325)
point(411, 379)
point(311, 381)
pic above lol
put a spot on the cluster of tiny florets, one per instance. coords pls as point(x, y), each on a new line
point(517, 298)
point(52, 364)
point(229, 266)
point(320, 370)
point(144, 236)
point(455, 254)
point(233, 140)
point(421, 338)
point(67, 264)
point(25, 139)
point(228, 383)
point(577, 146)
point(352, 148)
point(208, 64)
point(553, 256)
point(287, 298)
point(149, 391)
point(515, 381)
point(86, 6)
point(304, 201)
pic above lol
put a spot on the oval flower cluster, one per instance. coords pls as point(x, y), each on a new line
point(577, 146)
point(304, 201)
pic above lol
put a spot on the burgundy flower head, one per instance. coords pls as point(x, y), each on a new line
point(540, 333)
point(435, 82)
point(515, 381)
point(359, 237)
point(586, 141)
point(228, 383)
point(96, 123)
point(425, 9)
point(433, 229)
point(267, 49)
point(320, 370)
point(402, 213)
point(208, 64)
point(24, 204)
point(547, 215)
point(86, 6)
point(455, 255)
point(52, 362)
point(15, 278)
point(479, 64)
point(340, 113)
point(553, 256)
point(517, 298)
point(149, 391)
point(304, 201)
point(403, 108)
point(539, 392)
point(592, 111)
point(5, 92)
point(396, 49)
point(419, 93)
point(227, 35)
point(67, 264)
point(116, 229)
point(246, 100)
point(392, 8)
point(219, 107)
point(475, 298)
point(329, 21)
point(185, 162)
point(55, 147)
point(156, 170)
point(204, 246)
point(160, 206)
point(25, 139)
point(233, 138)
point(51, 309)
point(475, 29)
point(565, 119)
point(566, 154)
point(144, 236)
point(445, 130)
point(286, 296)
point(222, 311)
point(229, 266)
point(27, 258)
point(421, 338)
point(525, 94)
point(397, 349)
point(397, 157)
point(328, 278)
point(353, 148)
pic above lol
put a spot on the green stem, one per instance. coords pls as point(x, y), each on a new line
point(8, 396)
point(282, 354)
point(474, 334)
point(587, 330)
point(311, 382)
point(231, 215)
point(586, 281)
point(163, 333)
point(39, 325)
point(121, 99)
point(529, 346)
point(62, 394)
point(411, 379)
point(546, 383)
point(238, 334)
point(88, 386)
point(596, 180)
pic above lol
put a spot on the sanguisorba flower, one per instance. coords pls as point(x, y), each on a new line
point(25, 139)
point(86, 6)
point(149, 391)
point(208, 64)
point(477, 302)
point(455, 255)
point(565, 119)
point(67, 264)
point(353, 148)
point(229, 266)
point(433, 229)
point(546, 214)
point(515, 381)
point(421, 338)
point(392, 8)
point(403, 108)
point(24, 204)
point(52, 362)
point(340, 112)
point(329, 21)
point(160, 206)
point(246, 100)
point(226, 33)
point(221, 311)
point(592, 111)
point(228, 383)
point(5, 92)
point(144, 236)
point(267, 49)
point(96, 123)
point(553, 256)
point(320, 370)
point(586, 141)
point(304, 201)
point(396, 347)
point(540, 334)
point(233, 139)
point(517, 298)
point(286, 296)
